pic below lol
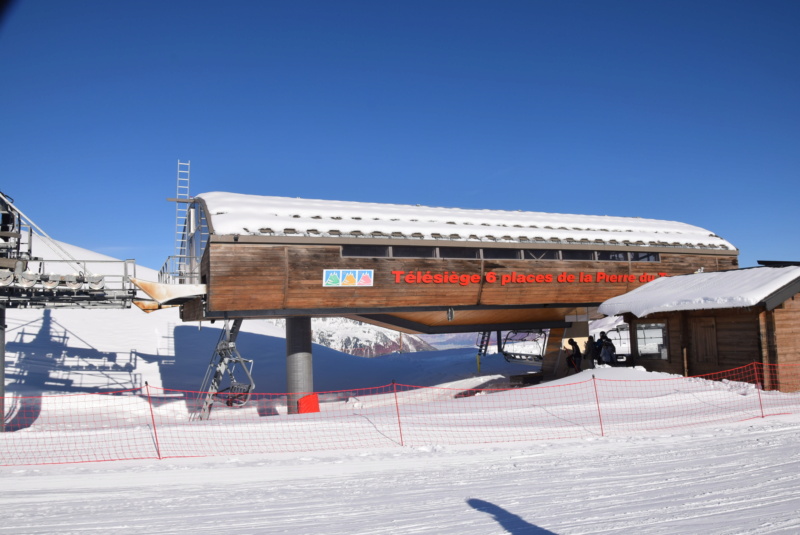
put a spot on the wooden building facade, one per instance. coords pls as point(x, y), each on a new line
point(415, 269)
point(426, 270)
point(743, 316)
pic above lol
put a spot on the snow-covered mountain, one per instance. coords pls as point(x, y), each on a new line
point(452, 340)
point(361, 339)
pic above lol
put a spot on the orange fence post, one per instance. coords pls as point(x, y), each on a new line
point(757, 381)
point(153, 419)
point(597, 400)
point(397, 408)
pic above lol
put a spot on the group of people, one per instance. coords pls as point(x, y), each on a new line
point(600, 351)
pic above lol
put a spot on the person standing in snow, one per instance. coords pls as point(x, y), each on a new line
point(574, 359)
point(598, 347)
point(590, 352)
point(599, 342)
point(608, 353)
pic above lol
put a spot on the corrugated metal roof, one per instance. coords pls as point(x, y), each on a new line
point(233, 213)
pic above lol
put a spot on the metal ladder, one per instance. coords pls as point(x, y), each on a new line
point(182, 209)
point(483, 343)
point(223, 364)
point(484, 339)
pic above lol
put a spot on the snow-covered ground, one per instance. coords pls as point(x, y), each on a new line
point(733, 478)
point(741, 478)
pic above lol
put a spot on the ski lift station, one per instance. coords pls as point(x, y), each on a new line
point(530, 279)
point(414, 269)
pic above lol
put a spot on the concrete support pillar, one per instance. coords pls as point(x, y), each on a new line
point(299, 367)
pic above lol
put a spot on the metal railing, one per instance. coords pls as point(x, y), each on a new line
point(38, 283)
point(178, 270)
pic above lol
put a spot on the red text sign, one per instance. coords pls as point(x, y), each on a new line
point(491, 277)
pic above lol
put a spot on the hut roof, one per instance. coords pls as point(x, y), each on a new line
point(749, 287)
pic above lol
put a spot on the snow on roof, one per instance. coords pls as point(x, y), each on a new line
point(233, 213)
point(700, 291)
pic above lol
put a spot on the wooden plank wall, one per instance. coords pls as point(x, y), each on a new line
point(245, 277)
point(787, 331)
point(738, 337)
point(737, 340)
point(273, 277)
point(741, 338)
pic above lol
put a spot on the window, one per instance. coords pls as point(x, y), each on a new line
point(501, 254)
point(620, 336)
point(612, 256)
point(413, 251)
point(458, 252)
point(651, 340)
point(196, 234)
point(540, 254)
point(572, 254)
point(365, 250)
point(637, 256)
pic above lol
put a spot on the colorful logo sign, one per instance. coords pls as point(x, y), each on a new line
point(347, 277)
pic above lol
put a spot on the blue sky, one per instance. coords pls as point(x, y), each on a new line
point(677, 110)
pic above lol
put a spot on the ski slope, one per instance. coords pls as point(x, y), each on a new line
point(733, 479)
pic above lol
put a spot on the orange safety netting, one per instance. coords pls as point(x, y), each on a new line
point(157, 423)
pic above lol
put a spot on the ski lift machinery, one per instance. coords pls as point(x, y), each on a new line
point(220, 383)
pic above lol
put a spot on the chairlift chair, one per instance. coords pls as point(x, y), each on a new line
point(524, 340)
point(616, 337)
point(223, 366)
point(237, 393)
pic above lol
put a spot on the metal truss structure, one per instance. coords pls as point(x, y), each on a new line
point(30, 281)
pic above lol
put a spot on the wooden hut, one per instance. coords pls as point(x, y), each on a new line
point(708, 322)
